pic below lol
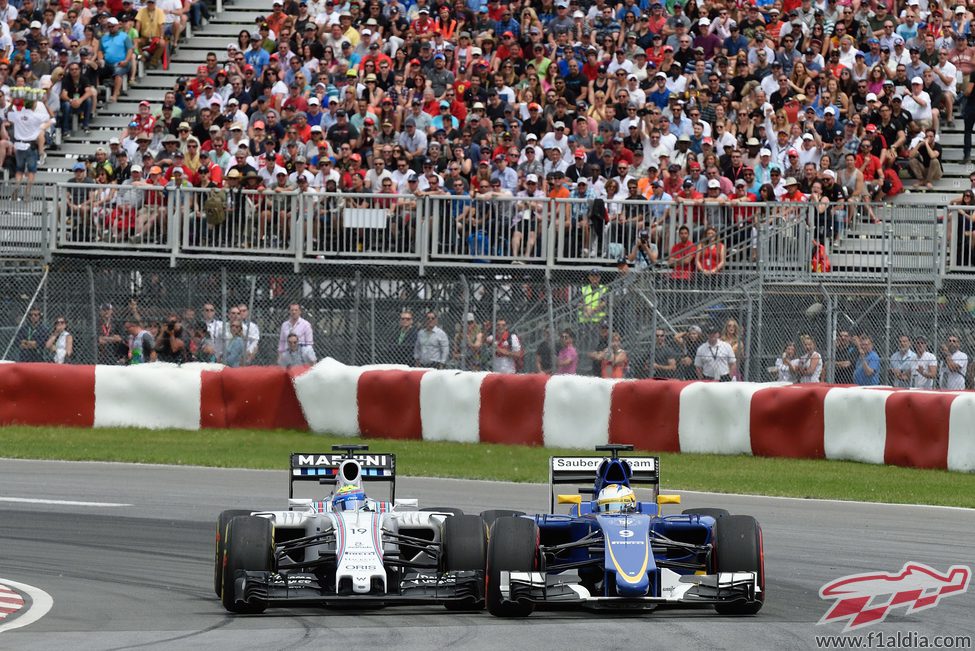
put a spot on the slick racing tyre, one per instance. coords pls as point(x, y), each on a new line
point(248, 545)
point(222, 523)
point(464, 549)
point(512, 547)
point(739, 549)
point(493, 514)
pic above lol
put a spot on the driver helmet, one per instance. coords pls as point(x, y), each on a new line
point(348, 498)
point(615, 498)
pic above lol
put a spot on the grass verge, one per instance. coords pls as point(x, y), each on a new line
point(704, 472)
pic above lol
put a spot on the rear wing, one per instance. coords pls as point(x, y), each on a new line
point(323, 468)
point(641, 471)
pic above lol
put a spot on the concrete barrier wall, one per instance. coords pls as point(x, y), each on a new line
point(924, 429)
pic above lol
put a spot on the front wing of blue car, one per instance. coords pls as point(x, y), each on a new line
point(675, 590)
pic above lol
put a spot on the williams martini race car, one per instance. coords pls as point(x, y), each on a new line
point(349, 548)
point(615, 552)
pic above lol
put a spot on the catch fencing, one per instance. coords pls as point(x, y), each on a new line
point(357, 263)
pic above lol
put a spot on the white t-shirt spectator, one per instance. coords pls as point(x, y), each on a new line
point(506, 363)
point(171, 8)
point(919, 110)
point(955, 380)
point(714, 361)
point(28, 125)
point(925, 363)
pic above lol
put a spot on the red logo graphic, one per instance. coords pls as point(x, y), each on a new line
point(865, 599)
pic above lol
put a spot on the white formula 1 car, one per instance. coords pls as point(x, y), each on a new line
point(348, 548)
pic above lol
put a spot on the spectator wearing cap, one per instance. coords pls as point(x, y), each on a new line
point(918, 103)
point(444, 120)
point(144, 118)
point(946, 76)
point(150, 22)
point(119, 54)
point(275, 20)
point(256, 56)
point(924, 159)
point(77, 98)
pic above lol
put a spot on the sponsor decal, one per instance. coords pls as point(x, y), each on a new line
point(648, 464)
point(865, 599)
point(332, 460)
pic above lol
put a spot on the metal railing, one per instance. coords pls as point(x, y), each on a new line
point(781, 241)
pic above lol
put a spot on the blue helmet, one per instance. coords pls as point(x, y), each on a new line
point(348, 498)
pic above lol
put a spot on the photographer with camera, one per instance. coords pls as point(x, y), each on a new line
point(170, 346)
point(644, 253)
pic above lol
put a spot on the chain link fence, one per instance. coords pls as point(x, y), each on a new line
point(662, 319)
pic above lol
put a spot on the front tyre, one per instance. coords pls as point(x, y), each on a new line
point(739, 549)
point(222, 521)
point(464, 541)
point(249, 546)
point(512, 547)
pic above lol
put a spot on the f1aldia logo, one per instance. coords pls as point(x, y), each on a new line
point(864, 599)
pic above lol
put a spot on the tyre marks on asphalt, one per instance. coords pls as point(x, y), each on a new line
point(15, 610)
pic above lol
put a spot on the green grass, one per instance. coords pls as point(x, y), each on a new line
point(721, 474)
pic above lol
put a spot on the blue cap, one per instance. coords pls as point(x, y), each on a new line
point(438, 55)
point(134, 124)
point(78, 166)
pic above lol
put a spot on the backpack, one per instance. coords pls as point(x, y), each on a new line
point(215, 207)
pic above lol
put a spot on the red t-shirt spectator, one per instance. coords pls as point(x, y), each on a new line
point(682, 253)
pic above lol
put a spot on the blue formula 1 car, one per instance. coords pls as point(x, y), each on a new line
point(615, 552)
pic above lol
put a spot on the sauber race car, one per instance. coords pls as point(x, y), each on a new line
point(615, 552)
point(348, 548)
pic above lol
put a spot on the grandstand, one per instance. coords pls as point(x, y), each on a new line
point(495, 242)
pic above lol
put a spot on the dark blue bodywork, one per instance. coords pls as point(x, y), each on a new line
point(622, 554)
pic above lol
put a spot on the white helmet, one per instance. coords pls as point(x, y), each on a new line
point(614, 498)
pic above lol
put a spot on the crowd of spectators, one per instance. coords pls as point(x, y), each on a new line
point(137, 337)
point(55, 55)
point(833, 103)
point(718, 353)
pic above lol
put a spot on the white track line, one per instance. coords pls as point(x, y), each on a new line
point(34, 500)
point(41, 603)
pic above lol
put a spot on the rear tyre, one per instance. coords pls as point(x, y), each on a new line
point(513, 547)
point(249, 545)
point(739, 549)
point(443, 509)
point(493, 514)
point(464, 549)
point(222, 521)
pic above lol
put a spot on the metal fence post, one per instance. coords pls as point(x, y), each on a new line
point(47, 209)
point(466, 293)
point(830, 336)
point(652, 353)
point(94, 318)
point(223, 299)
point(298, 230)
point(760, 314)
point(372, 329)
point(355, 318)
point(423, 232)
point(173, 225)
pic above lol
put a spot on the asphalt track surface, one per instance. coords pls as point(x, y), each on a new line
point(139, 576)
